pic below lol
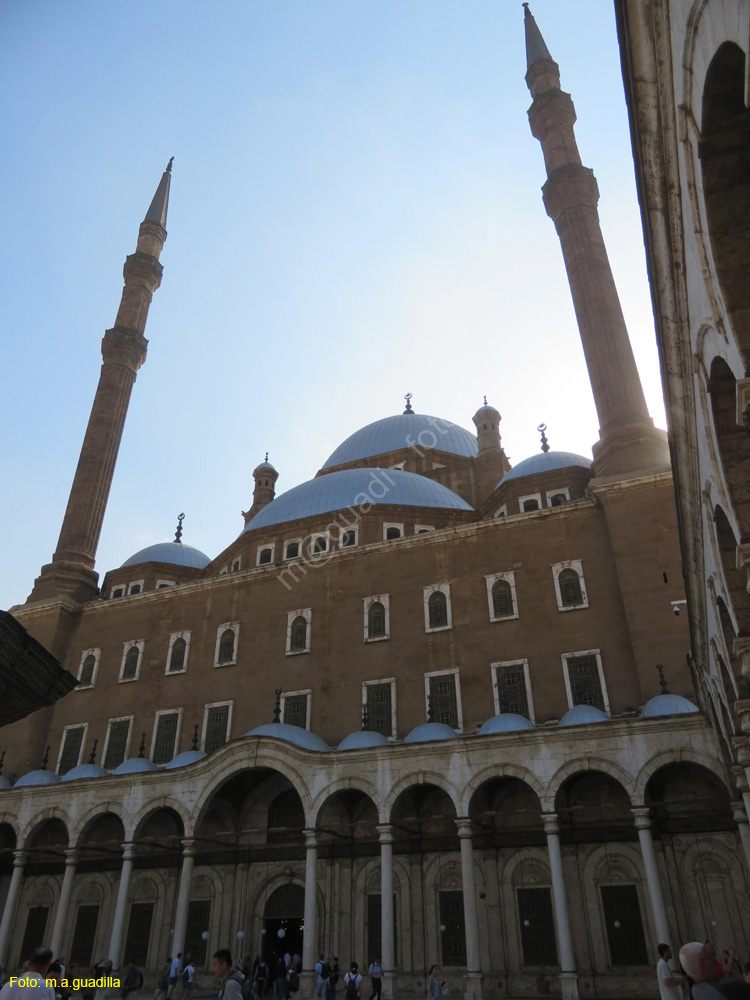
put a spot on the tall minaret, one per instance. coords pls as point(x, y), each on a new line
point(71, 572)
point(628, 441)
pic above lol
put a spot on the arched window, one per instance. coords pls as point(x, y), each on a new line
point(557, 500)
point(298, 637)
point(265, 557)
point(177, 656)
point(438, 609)
point(570, 588)
point(502, 599)
point(226, 646)
point(130, 669)
point(529, 505)
point(292, 550)
point(348, 539)
point(320, 544)
point(135, 589)
point(375, 620)
point(118, 593)
point(392, 532)
point(87, 670)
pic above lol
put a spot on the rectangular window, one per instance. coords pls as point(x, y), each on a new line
point(36, 925)
point(139, 933)
point(374, 941)
point(585, 682)
point(379, 709)
point(622, 918)
point(165, 737)
point(117, 743)
point(512, 696)
point(537, 926)
point(295, 710)
point(84, 935)
point(70, 753)
point(216, 728)
point(444, 702)
point(453, 938)
point(199, 913)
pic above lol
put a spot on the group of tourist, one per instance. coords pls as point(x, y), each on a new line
point(701, 975)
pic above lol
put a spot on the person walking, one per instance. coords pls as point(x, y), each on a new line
point(320, 979)
point(188, 978)
point(434, 983)
point(35, 974)
point(261, 976)
point(333, 978)
point(670, 982)
point(376, 978)
point(231, 978)
point(133, 981)
point(174, 971)
point(162, 983)
point(353, 983)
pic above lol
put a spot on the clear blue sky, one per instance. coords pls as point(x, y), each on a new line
point(356, 213)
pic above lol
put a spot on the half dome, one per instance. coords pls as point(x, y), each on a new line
point(667, 704)
point(506, 722)
point(582, 715)
point(85, 771)
point(404, 430)
point(431, 731)
point(176, 553)
point(40, 777)
point(546, 462)
point(353, 488)
point(291, 734)
point(135, 765)
point(185, 758)
point(362, 738)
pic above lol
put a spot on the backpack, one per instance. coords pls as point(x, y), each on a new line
point(262, 971)
point(352, 987)
point(325, 971)
point(293, 982)
point(185, 976)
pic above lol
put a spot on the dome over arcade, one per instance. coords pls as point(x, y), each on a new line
point(363, 738)
point(667, 704)
point(185, 758)
point(546, 462)
point(291, 734)
point(506, 722)
point(353, 487)
point(135, 765)
point(85, 771)
point(39, 777)
point(404, 430)
point(431, 731)
point(176, 553)
point(582, 715)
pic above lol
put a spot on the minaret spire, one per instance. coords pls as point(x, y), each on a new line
point(628, 441)
point(71, 572)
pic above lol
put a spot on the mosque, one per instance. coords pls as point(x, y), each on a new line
point(426, 706)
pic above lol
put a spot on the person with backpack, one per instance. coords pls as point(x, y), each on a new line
point(174, 970)
point(353, 984)
point(261, 976)
point(323, 971)
point(231, 979)
point(376, 978)
point(162, 984)
point(332, 979)
point(133, 981)
point(188, 977)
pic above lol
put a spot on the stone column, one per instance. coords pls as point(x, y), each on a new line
point(118, 924)
point(311, 884)
point(655, 894)
point(474, 974)
point(62, 917)
point(183, 897)
point(568, 974)
point(387, 958)
point(739, 814)
point(8, 923)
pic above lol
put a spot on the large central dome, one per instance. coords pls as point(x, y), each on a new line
point(404, 430)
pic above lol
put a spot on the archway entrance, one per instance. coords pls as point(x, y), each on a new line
point(284, 911)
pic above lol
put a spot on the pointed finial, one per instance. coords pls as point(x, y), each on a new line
point(485, 400)
point(2, 761)
point(157, 210)
point(545, 443)
point(408, 409)
point(277, 707)
point(365, 720)
point(169, 165)
point(142, 747)
point(430, 709)
point(45, 759)
point(663, 680)
point(266, 456)
point(195, 737)
point(178, 533)
point(535, 46)
point(92, 755)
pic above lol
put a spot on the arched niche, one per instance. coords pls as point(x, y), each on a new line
point(101, 841)
point(735, 577)
point(506, 812)
point(348, 815)
point(687, 798)
point(46, 846)
point(593, 807)
point(158, 839)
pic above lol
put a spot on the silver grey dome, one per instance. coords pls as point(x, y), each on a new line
point(85, 771)
point(363, 738)
point(582, 715)
point(506, 722)
point(292, 734)
point(176, 553)
point(135, 765)
point(667, 704)
point(40, 777)
point(431, 731)
point(545, 462)
point(403, 431)
point(185, 758)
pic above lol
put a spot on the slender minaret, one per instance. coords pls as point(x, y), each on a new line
point(71, 572)
point(264, 476)
point(628, 441)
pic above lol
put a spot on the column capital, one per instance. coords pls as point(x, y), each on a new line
point(551, 823)
point(739, 813)
point(385, 833)
point(20, 858)
point(464, 826)
point(189, 848)
point(642, 816)
point(71, 856)
point(310, 838)
point(128, 850)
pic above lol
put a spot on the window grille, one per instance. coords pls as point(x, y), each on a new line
point(87, 670)
point(117, 741)
point(177, 656)
point(502, 599)
point(379, 709)
point(217, 723)
point(71, 750)
point(265, 557)
point(199, 913)
point(453, 938)
point(512, 695)
point(529, 505)
point(36, 925)
point(570, 588)
point(130, 669)
point(585, 683)
point(348, 539)
point(627, 944)
point(444, 703)
point(82, 950)
point(437, 606)
point(538, 935)
point(295, 710)
point(292, 550)
point(298, 637)
point(226, 646)
point(139, 932)
point(374, 927)
point(166, 734)
point(392, 533)
point(375, 620)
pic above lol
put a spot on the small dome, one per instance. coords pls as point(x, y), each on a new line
point(85, 771)
point(176, 553)
point(185, 758)
point(362, 738)
point(431, 731)
point(506, 722)
point(351, 488)
point(265, 465)
point(292, 734)
point(404, 430)
point(41, 777)
point(667, 704)
point(581, 715)
point(134, 765)
point(545, 462)
point(4, 783)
